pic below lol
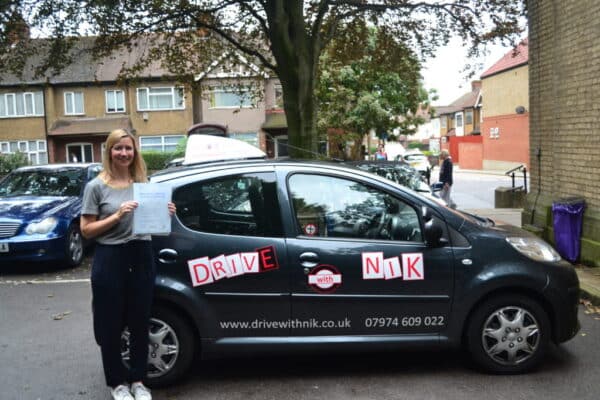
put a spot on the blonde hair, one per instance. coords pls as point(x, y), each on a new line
point(137, 169)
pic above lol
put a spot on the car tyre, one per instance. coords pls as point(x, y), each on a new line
point(74, 246)
point(508, 334)
point(171, 347)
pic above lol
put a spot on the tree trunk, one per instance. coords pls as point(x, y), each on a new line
point(296, 54)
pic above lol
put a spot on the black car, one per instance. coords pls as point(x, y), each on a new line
point(269, 256)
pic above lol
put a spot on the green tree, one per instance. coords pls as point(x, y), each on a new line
point(373, 86)
point(285, 37)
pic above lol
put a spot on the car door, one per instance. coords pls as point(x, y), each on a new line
point(359, 261)
point(228, 248)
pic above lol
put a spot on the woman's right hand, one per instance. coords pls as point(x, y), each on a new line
point(126, 207)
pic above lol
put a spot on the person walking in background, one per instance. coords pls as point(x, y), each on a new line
point(123, 269)
point(380, 154)
point(446, 178)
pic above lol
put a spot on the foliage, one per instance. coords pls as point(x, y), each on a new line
point(372, 86)
point(156, 160)
point(418, 146)
point(284, 37)
point(11, 161)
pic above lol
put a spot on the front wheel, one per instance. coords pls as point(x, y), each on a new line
point(508, 334)
point(74, 246)
point(171, 347)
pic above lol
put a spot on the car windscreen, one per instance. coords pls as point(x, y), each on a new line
point(59, 182)
point(400, 173)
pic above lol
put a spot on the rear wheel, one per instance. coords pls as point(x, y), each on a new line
point(508, 334)
point(171, 347)
point(74, 246)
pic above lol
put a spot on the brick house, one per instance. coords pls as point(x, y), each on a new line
point(66, 117)
point(564, 66)
point(505, 126)
point(460, 128)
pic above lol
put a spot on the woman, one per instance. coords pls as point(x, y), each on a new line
point(123, 270)
point(380, 155)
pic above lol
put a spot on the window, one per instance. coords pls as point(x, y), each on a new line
point(336, 207)
point(459, 120)
point(443, 121)
point(248, 137)
point(80, 152)
point(73, 103)
point(160, 143)
point(115, 101)
point(34, 149)
point(160, 98)
point(232, 205)
point(25, 104)
point(228, 97)
point(469, 117)
point(278, 96)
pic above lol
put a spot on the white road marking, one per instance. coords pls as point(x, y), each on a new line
point(43, 282)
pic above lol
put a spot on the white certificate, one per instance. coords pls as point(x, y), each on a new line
point(151, 217)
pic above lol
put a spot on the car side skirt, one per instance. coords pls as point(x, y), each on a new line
point(320, 344)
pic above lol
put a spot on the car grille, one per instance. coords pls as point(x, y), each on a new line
point(8, 229)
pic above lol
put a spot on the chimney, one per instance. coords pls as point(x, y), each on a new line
point(475, 85)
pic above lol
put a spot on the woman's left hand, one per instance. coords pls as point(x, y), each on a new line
point(172, 208)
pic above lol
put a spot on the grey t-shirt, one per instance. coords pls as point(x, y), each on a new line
point(103, 200)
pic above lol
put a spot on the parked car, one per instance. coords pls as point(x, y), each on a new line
point(398, 171)
point(39, 213)
point(279, 256)
point(418, 161)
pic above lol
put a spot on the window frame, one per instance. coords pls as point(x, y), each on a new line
point(115, 93)
point(163, 143)
point(230, 90)
point(148, 89)
point(72, 102)
point(459, 116)
point(14, 99)
point(311, 174)
point(197, 212)
point(37, 156)
point(469, 115)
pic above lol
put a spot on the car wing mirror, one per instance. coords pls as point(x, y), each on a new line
point(434, 232)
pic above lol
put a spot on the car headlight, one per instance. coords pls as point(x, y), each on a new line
point(42, 227)
point(534, 248)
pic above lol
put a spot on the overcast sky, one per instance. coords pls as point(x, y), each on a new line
point(444, 71)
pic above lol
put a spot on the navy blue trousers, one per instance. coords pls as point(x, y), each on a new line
point(122, 286)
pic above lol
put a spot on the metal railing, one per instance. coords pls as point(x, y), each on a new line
point(512, 174)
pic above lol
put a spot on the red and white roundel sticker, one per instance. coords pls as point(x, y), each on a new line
point(310, 229)
point(325, 278)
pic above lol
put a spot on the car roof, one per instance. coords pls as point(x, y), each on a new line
point(189, 170)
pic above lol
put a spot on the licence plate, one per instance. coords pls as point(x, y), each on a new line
point(3, 247)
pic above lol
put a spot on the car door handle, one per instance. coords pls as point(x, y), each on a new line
point(309, 259)
point(167, 256)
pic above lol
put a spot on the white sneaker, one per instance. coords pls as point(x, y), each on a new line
point(121, 392)
point(140, 391)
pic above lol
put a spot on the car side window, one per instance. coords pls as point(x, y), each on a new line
point(328, 206)
point(234, 205)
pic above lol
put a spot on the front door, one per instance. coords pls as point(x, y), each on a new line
point(231, 249)
point(359, 262)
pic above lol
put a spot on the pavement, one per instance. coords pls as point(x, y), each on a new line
point(589, 277)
